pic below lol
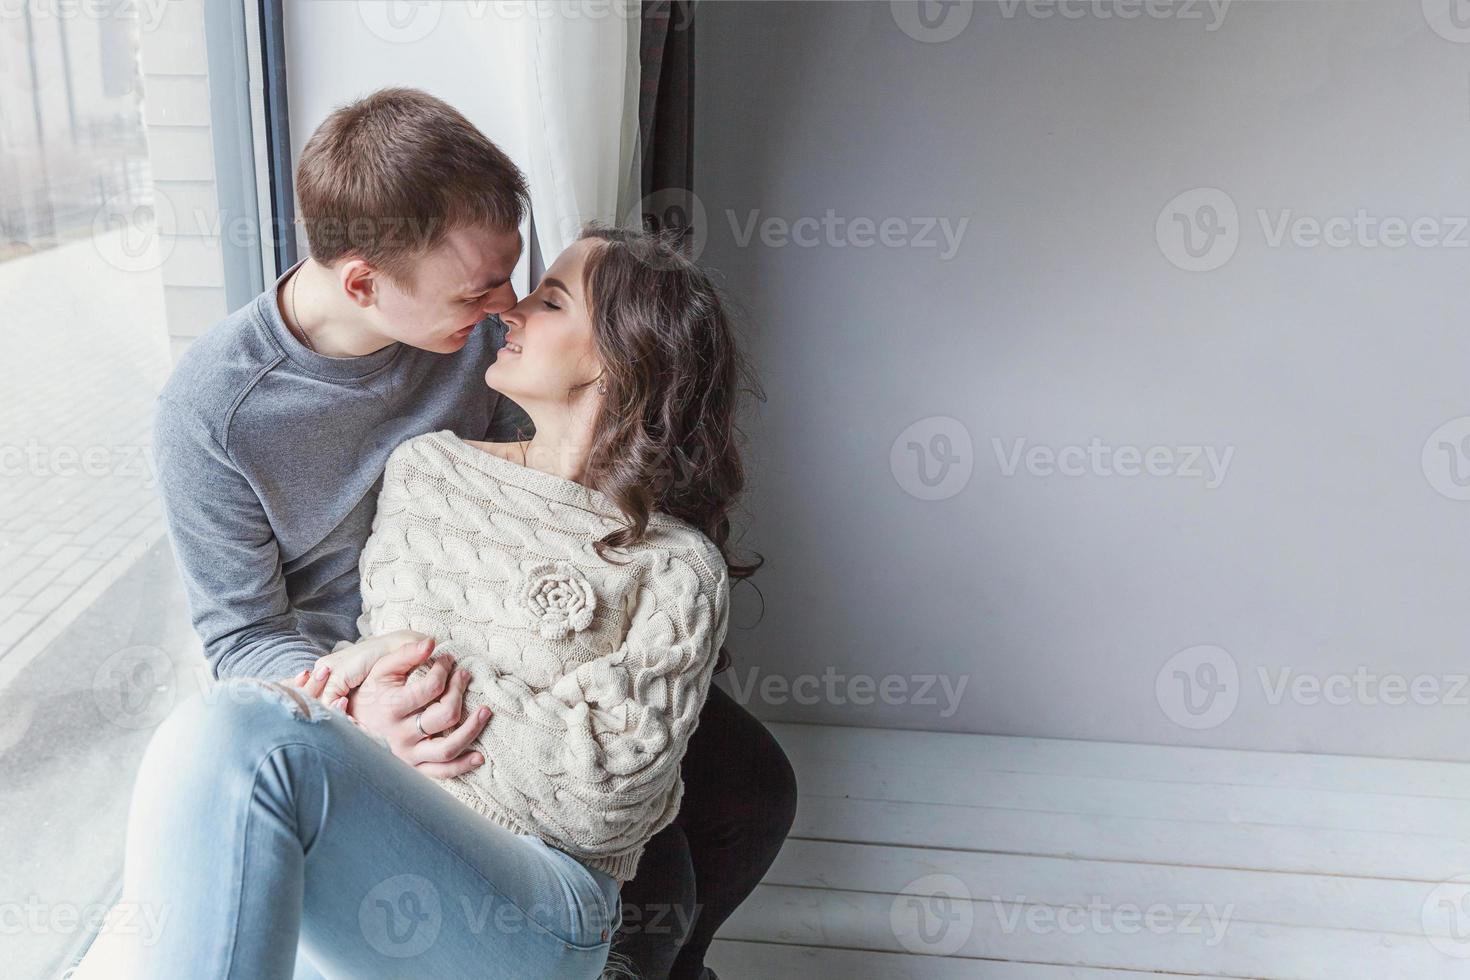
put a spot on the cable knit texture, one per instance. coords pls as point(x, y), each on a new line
point(595, 671)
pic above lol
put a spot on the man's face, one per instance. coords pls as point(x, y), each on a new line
point(456, 285)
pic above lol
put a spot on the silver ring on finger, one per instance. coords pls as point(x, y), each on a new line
point(418, 721)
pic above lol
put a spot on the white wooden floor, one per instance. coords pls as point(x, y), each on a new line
point(921, 855)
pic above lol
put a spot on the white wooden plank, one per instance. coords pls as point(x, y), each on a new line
point(773, 961)
point(973, 753)
point(174, 43)
point(191, 208)
point(181, 152)
point(1320, 901)
point(196, 262)
point(1218, 844)
point(177, 100)
point(164, 58)
point(1314, 866)
point(1091, 795)
point(985, 930)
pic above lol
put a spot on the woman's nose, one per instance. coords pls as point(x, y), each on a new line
point(512, 317)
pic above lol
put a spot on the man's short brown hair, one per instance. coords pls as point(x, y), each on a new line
point(388, 176)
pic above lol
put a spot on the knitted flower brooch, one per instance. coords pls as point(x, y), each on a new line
point(557, 597)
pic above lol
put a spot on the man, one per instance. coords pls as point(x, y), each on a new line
point(271, 439)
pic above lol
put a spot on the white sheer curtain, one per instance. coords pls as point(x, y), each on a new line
point(582, 80)
point(554, 84)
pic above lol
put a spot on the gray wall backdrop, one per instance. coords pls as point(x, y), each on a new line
point(1169, 440)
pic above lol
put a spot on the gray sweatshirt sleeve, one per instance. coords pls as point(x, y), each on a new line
point(227, 554)
point(508, 422)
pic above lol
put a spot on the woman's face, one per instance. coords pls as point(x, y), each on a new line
point(549, 347)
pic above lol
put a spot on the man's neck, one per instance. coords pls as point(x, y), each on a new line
point(314, 306)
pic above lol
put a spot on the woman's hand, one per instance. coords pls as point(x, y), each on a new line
point(410, 713)
point(422, 718)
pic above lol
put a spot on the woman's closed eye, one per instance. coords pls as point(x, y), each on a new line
point(549, 304)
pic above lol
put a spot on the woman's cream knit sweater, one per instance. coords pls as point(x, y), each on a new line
point(595, 672)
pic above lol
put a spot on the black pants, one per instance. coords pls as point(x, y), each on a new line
point(739, 801)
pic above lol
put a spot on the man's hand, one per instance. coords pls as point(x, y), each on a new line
point(345, 668)
point(391, 704)
point(350, 664)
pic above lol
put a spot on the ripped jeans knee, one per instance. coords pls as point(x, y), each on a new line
point(235, 718)
point(301, 705)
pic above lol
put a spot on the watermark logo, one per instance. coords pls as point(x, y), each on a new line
point(1201, 687)
point(933, 458)
point(1445, 917)
point(135, 687)
point(933, 915)
point(1198, 687)
point(1210, 12)
point(942, 691)
point(401, 916)
point(148, 13)
point(570, 10)
point(68, 461)
point(129, 235)
point(1199, 230)
point(1450, 19)
point(676, 215)
point(36, 917)
point(400, 21)
point(942, 235)
point(1363, 687)
point(1362, 229)
point(1445, 459)
point(679, 16)
point(658, 918)
point(1101, 918)
point(1208, 464)
point(680, 217)
point(932, 21)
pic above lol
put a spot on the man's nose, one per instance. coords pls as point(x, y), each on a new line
point(501, 300)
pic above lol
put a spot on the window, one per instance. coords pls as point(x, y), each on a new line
point(129, 223)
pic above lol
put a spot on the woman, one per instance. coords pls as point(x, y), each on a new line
point(582, 578)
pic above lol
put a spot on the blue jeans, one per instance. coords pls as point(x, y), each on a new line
point(275, 838)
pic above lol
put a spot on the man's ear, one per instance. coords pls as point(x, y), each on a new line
point(359, 282)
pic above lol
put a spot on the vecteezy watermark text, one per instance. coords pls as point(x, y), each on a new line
point(37, 917)
point(937, 21)
point(1200, 687)
point(148, 13)
point(1200, 229)
point(36, 459)
point(832, 230)
point(1210, 12)
point(1096, 458)
point(1100, 918)
point(830, 687)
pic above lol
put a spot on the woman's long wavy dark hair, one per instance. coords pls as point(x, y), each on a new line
point(667, 438)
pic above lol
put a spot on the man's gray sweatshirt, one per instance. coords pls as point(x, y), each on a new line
point(269, 459)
